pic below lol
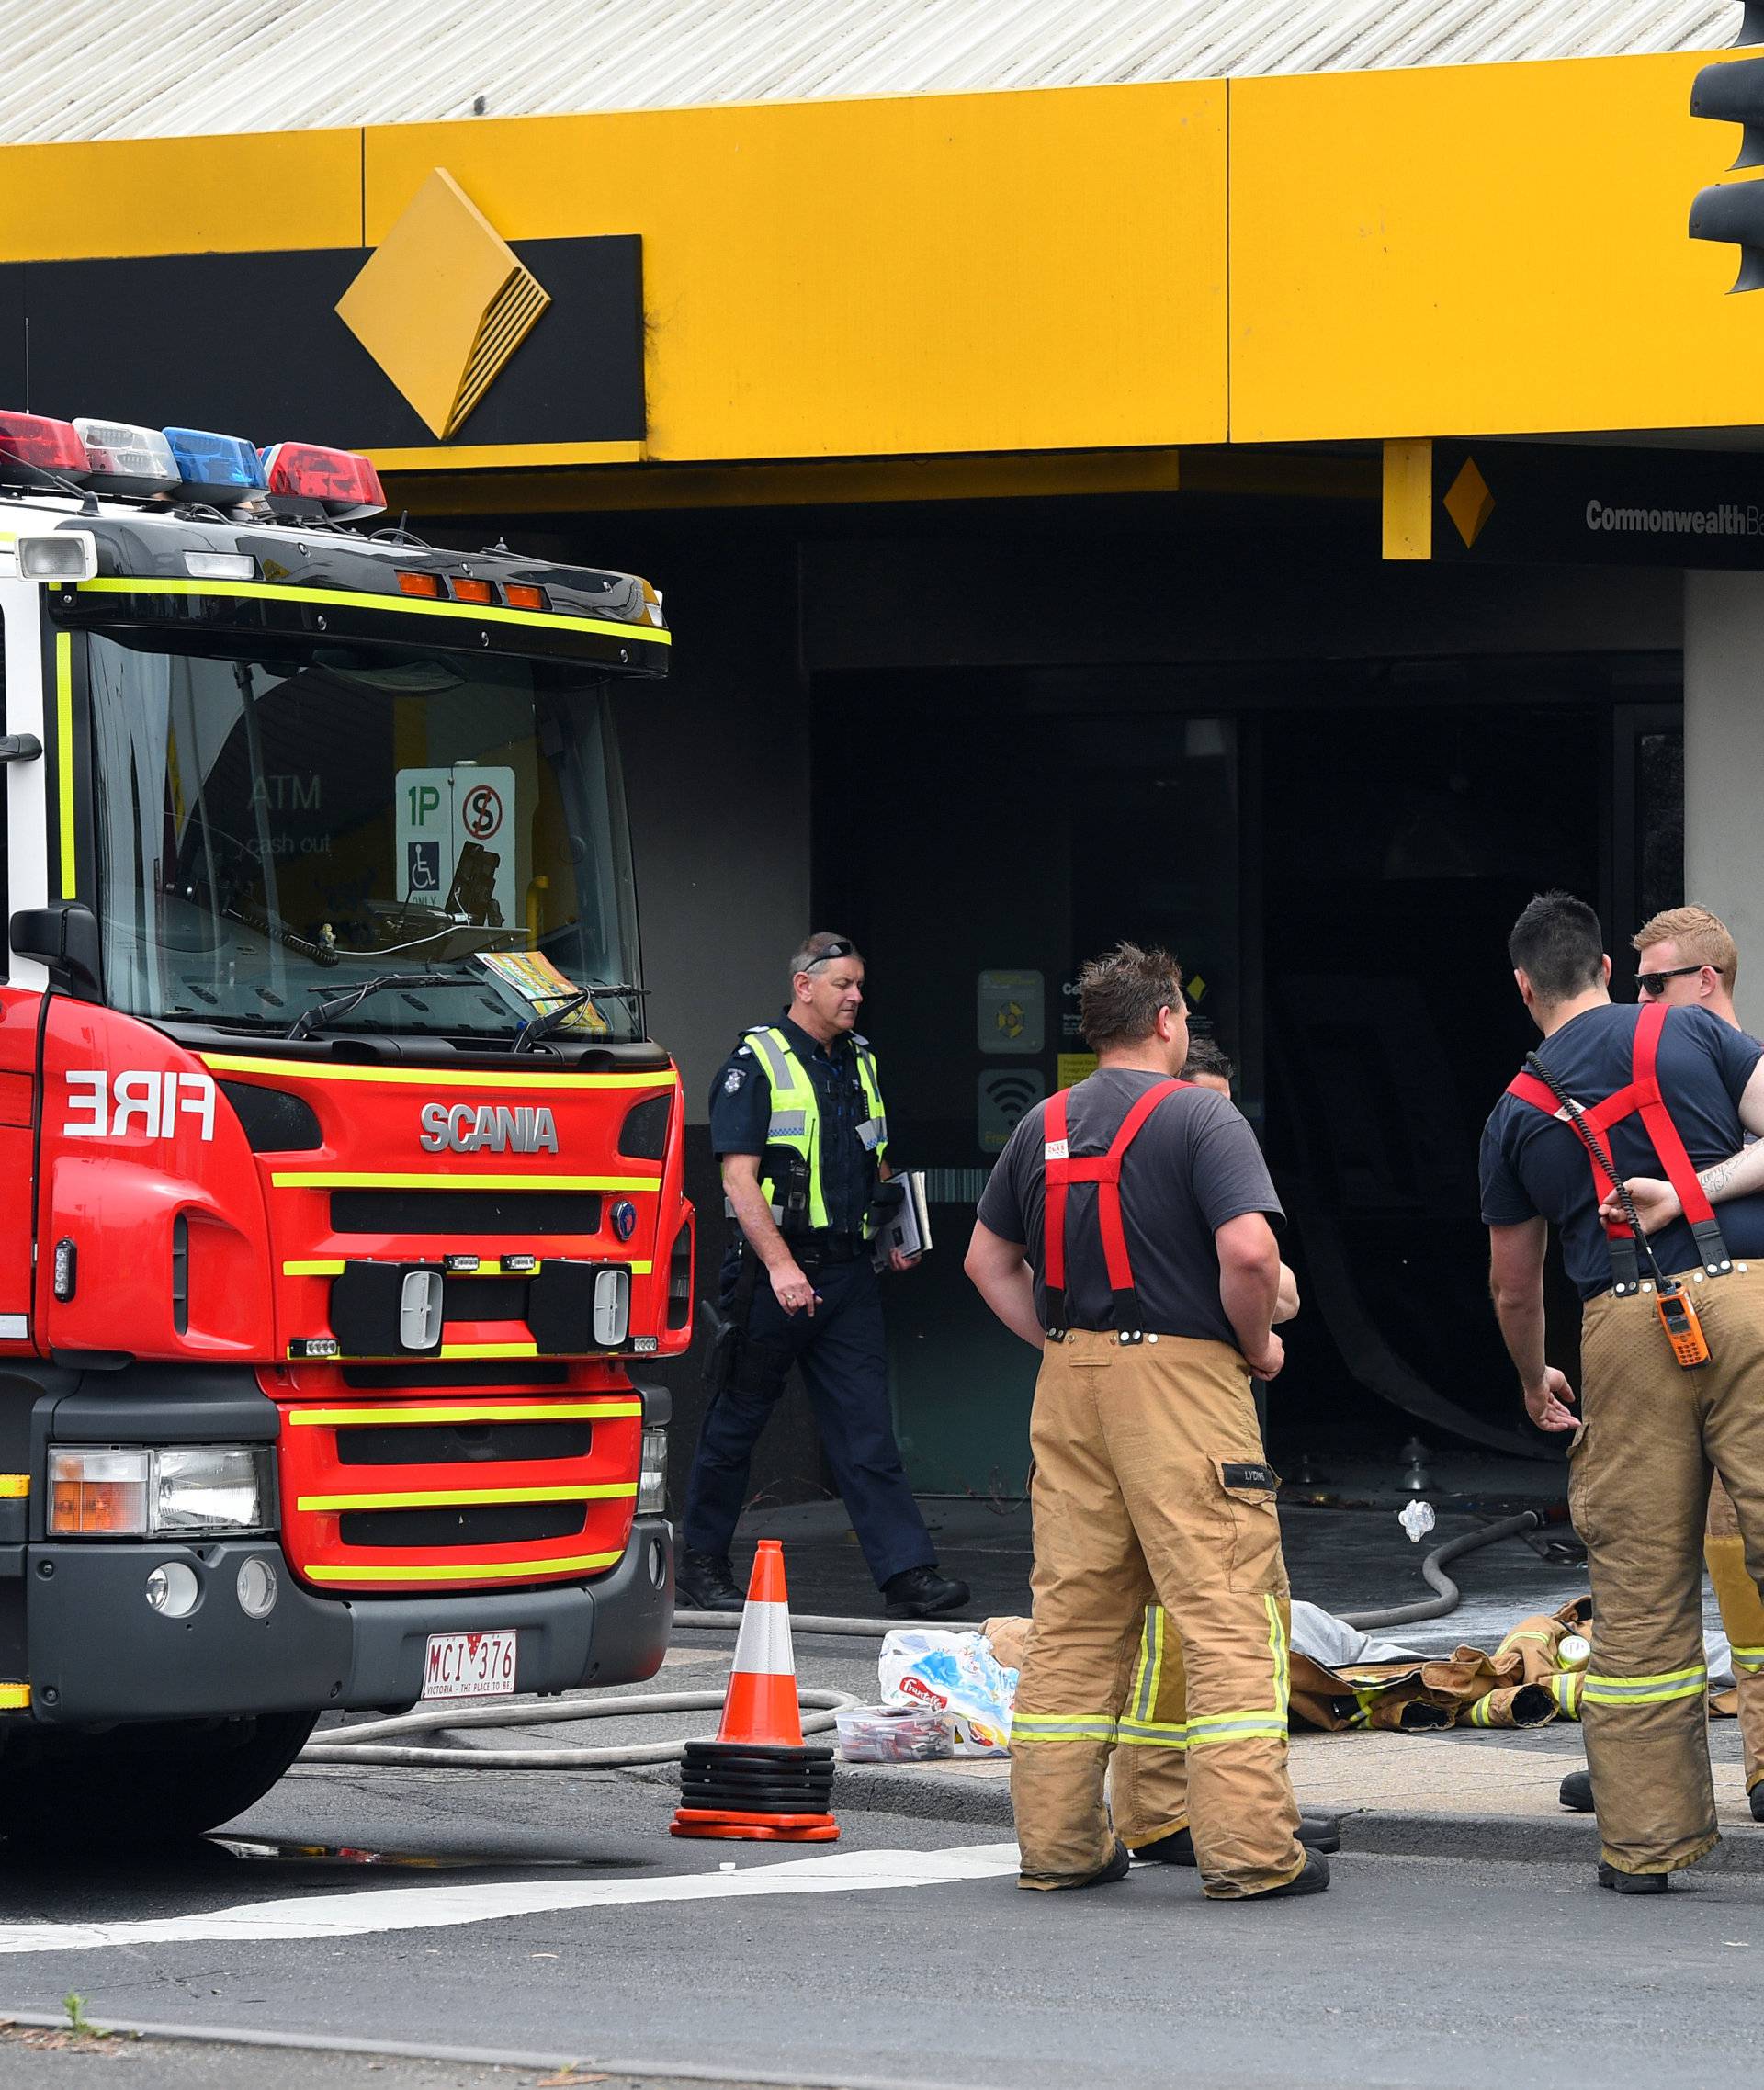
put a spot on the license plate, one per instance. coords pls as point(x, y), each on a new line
point(470, 1665)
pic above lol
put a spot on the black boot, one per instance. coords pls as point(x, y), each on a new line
point(1311, 1880)
point(1316, 1831)
point(1755, 1801)
point(922, 1593)
point(1575, 1791)
point(706, 1582)
point(1631, 1882)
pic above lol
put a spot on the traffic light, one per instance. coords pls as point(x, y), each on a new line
point(1732, 92)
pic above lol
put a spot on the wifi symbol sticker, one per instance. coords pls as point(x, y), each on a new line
point(1006, 1094)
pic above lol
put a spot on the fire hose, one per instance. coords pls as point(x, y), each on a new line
point(382, 1741)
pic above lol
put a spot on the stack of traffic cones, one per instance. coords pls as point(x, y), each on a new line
point(757, 1781)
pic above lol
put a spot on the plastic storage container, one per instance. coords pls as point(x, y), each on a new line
point(878, 1735)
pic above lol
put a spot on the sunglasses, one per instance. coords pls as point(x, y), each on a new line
point(1652, 984)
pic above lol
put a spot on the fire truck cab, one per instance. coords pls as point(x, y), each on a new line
point(340, 1181)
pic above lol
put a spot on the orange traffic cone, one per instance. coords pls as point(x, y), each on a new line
point(758, 1781)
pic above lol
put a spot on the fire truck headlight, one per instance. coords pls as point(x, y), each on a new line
point(653, 1477)
point(211, 1487)
point(97, 1493)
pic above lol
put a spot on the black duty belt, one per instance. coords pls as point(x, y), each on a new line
point(816, 1249)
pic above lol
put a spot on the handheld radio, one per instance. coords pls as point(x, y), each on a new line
point(1678, 1317)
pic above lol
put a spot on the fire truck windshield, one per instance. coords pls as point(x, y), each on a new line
point(279, 825)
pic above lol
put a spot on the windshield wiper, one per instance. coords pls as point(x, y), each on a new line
point(328, 1011)
point(542, 1025)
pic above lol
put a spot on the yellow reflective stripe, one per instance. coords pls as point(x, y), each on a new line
point(1277, 1649)
point(321, 1265)
point(1062, 1727)
point(1153, 1734)
point(64, 755)
point(451, 1498)
point(466, 1571)
point(454, 1352)
point(343, 598)
point(431, 1078)
point(14, 1697)
point(1479, 1711)
point(1696, 1670)
point(329, 1178)
point(1748, 1658)
point(14, 1486)
point(518, 1411)
point(488, 1266)
point(1564, 1689)
point(1644, 1691)
point(1143, 1695)
point(1236, 1728)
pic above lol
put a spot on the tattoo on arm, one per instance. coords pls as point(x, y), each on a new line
point(1716, 1178)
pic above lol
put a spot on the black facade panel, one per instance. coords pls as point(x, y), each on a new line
point(250, 344)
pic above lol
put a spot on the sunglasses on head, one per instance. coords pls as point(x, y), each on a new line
point(839, 948)
point(1652, 984)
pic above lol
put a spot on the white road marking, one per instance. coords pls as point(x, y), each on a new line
point(434, 1908)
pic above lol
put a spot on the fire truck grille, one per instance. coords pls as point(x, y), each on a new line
point(430, 1486)
point(479, 1524)
point(441, 1444)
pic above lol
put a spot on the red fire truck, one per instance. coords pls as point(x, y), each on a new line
point(339, 1182)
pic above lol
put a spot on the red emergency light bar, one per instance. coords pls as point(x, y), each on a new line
point(339, 481)
point(46, 445)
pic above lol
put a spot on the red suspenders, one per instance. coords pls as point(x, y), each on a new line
point(1104, 1171)
point(1642, 1097)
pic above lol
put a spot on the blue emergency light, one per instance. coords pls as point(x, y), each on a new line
point(215, 468)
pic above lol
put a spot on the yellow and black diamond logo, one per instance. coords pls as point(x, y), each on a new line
point(442, 304)
point(1469, 502)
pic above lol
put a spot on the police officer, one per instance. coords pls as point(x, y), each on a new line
point(1653, 1087)
point(1125, 1233)
point(797, 1122)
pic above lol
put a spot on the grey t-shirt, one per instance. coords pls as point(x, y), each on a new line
point(1195, 1165)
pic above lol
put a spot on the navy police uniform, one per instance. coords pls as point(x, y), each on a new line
point(840, 1350)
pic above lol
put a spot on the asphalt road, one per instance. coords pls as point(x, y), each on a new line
point(521, 1941)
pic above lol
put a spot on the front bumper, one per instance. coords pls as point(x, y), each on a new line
point(95, 1652)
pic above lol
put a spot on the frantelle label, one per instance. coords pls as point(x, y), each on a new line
point(102, 1105)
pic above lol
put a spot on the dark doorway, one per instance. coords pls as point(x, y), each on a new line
point(1336, 851)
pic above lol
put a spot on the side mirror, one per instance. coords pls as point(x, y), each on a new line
point(65, 937)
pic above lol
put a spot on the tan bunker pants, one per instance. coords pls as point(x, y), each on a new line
point(1638, 1484)
point(1150, 1485)
point(1742, 1620)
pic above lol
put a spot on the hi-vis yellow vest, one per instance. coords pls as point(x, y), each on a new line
point(796, 1119)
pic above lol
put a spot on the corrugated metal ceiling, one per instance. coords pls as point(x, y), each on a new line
point(162, 68)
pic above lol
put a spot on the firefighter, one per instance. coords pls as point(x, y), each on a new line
point(797, 1122)
point(1686, 957)
point(1673, 1347)
point(1125, 1233)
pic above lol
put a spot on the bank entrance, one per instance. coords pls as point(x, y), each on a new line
point(1336, 851)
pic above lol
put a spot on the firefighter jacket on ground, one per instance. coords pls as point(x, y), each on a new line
point(795, 1126)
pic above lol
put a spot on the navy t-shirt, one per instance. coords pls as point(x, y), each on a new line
point(1194, 1166)
point(740, 1110)
point(1532, 1164)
